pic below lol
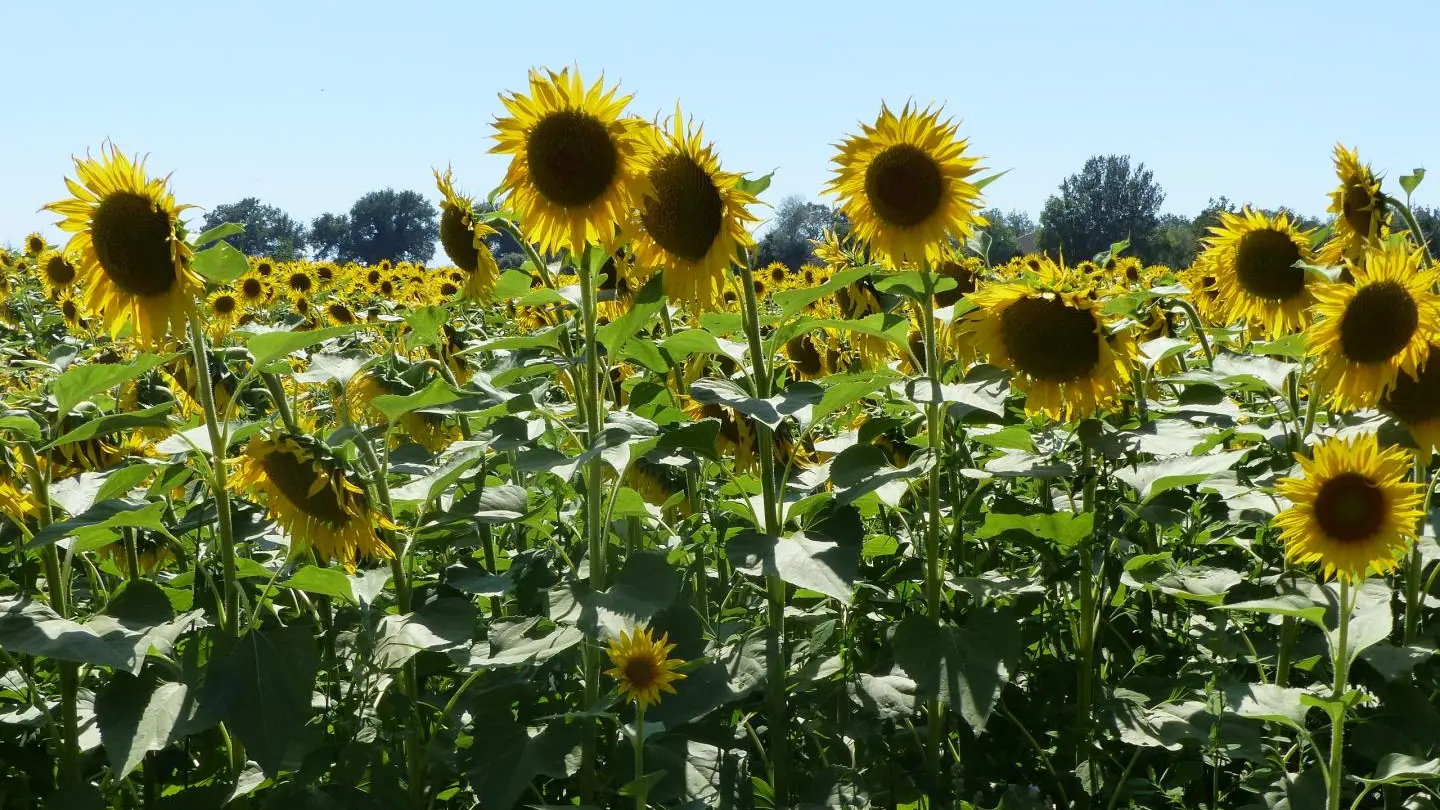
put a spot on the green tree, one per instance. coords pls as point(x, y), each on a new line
point(1105, 202)
point(329, 236)
point(797, 222)
point(1006, 229)
point(268, 230)
point(1429, 221)
point(385, 224)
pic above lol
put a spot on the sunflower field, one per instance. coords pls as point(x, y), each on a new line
point(640, 524)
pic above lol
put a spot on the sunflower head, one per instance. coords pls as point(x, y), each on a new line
point(1376, 328)
point(574, 170)
point(1415, 402)
point(253, 289)
point(34, 245)
point(692, 216)
point(308, 492)
point(1255, 259)
point(642, 666)
point(71, 312)
point(463, 238)
point(222, 311)
point(1354, 512)
point(904, 183)
point(1358, 207)
point(134, 262)
point(57, 271)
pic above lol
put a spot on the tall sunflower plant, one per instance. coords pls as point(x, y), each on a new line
point(645, 520)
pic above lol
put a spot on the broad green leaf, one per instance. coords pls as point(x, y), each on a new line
point(1155, 477)
point(647, 305)
point(1401, 768)
point(863, 468)
point(262, 686)
point(221, 231)
point(887, 697)
point(686, 342)
point(323, 581)
point(112, 514)
point(525, 642)
point(154, 416)
point(1010, 437)
point(817, 565)
point(911, 283)
point(646, 585)
point(425, 324)
point(792, 301)
point(221, 264)
point(846, 389)
point(1412, 181)
point(1154, 351)
point(1262, 701)
point(1200, 583)
point(23, 424)
point(754, 186)
point(770, 412)
point(394, 406)
point(1248, 369)
point(269, 346)
point(34, 629)
point(79, 383)
point(1065, 529)
point(445, 625)
point(512, 284)
point(966, 667)
point(137, 716)
point(1291, 604)
point(1291, 346)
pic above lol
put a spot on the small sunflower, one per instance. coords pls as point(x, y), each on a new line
point(253, 289)
point(1358, 207)
point(904, 183)
point(298, 282)
point(736, 437)
point(811, 354)
point(643, 666)
point(463, 238)
point(34, 245)
point(340, 313)
point(1370, 331)
point(71, 312)
point(1051, 334)
point(134, 262)
point(1415, 401)
point(56, 271)
point(222, 311)
point(574, 172)
point(1254, 258)
point(310, 494)
point(692, 215)
point(1354, 512)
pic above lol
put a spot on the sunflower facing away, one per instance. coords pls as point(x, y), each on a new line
point(464, 239)
point(575, 171)
point(1415, 402)
point(310, 495)
point(643, 666)
point(1053, 336)
point(692, 215)
point(1353, 512)
point(904, 183)
point(134, 262)
point(1253, 257)
point(1369, 332)
point(1359, 210)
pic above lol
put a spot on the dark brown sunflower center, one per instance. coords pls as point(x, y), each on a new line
point(458, 240)
point(448, 289)
point(69, 310)
point(904, 185)
point(964, 283)
point(1415, 400)
point(805, 355)
point(1358, 208)
point(685, 212)
point(373, 277)
point(294, 478)
point(1050, 340)
point(341, 313)
point(264, 268)
point(1350, 508)
point(778, 274)
point(251, 288)
point(572, 158)
point(1378, 323)
point(34, 245)
point(59, 272)
point(325, 272)
point(132, 242)
point(1265, 265)
point(223, 305)
point(300, 282)
point(641, 672)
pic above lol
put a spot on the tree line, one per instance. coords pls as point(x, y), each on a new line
point(1107, 201)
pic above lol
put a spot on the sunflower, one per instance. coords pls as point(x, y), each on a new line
point(262, 267)
point(71, 312)
point(1371, 331)
point(34, 245)
point(14, 503)
point(779, 275)
point(643, 666)
point(463, 238)
point(692, 215)
point(574, 172)
point(904, 184)
point(298, 282)
point(56, 271)
point(429, 430)
point(736, 437)
point(619, 282)
point(1354, 511)
point(656, 483)
point(1255, 260)
point(1358, 208)
point(1414, 401)
point(860, 299)
point(134, 262)
point(964, 271)
point(253, 289)
point(1052, 335)
point(151, 552)
point(222, 312)
point(339, 313)
point(811, 355)
point(311, 496)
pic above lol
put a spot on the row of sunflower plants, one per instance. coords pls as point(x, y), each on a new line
point(641, 524)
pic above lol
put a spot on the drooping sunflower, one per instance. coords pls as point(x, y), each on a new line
point(1354, 512)
point(812, 355)
point(15, 504)
point(429, 430)
point(1050, 331)
point(643, 666)
point(692, 216)
point(1415, 402)
point(1358, 207)
point(1254, 258)
point(575, 172)
point(904, 183)
point(339, 313)
point(463, 238)
point(134, 261)
point(309, 493)
point(1371, 331)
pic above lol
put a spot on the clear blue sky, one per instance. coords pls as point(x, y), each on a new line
point(307, 105)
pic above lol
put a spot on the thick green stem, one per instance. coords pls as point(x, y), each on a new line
point(1198, 327)
point(1289, 634)
point(219, 489)
point(640, 791)
point(1413, 225)
point(775, 653)
point(1415, 566)
point(934, 428)
point(1341, 664)
point(1089, 619)
point(595, 540)
point(282, 405)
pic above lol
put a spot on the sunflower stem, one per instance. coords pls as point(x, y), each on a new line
point(1198, 327)
point(1415, 567)
point(1088, 619)
point(282, 403)
point(1335, 776)
point(132, 554)
point(594, 531)
point(934, 427)
point(230, 617)
point(1416, 233)
point(775, 590)
point(640, 791)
